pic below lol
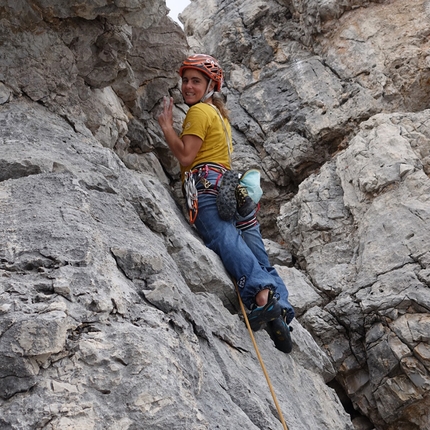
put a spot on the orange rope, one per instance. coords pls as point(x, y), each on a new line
point(281, 417)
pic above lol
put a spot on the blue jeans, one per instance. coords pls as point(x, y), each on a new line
point(241, 251)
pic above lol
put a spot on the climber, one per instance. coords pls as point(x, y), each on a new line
point(203, 150)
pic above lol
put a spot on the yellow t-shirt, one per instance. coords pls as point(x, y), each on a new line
point(202, 120)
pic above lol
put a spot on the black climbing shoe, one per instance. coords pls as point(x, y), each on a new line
point(226, 198)
point(280, 332)
point(245, 205)
point(261, 315)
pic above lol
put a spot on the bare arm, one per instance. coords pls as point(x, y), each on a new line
point(185, 149)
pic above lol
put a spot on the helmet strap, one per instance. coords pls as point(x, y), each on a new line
point(208, 93)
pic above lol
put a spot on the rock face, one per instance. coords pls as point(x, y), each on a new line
point(364, 229)
point(334, 97)
point(113, 314)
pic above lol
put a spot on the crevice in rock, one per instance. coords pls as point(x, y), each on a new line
point(15, 170)
point(101, 187)
point(347, 402)
point(13, 385)
point(31, 261)
point(229, 343)
point(83, 327)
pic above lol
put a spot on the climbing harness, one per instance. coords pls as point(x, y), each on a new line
point(249, 223)
point(197, 176)
point(272, 391)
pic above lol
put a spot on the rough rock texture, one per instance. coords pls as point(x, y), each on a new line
point(334, 98)
point(113, 314)
point(364, 229)
point(112, 310)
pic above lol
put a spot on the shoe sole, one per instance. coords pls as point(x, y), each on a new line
point(261, 316)
point(226, 199)
point(280, 333)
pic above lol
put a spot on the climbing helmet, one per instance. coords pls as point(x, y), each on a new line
point(205, 64)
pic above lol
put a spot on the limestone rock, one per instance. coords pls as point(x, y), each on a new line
point(386, 221)
point(113, 314)
point(333, 96)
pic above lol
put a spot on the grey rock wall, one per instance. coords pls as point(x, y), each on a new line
point(371, 261)
point(113, 314)
point(334, 98)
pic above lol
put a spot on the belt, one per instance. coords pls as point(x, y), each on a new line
point(208, 166)
point(202, 170)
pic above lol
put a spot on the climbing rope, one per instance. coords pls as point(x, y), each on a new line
point(260, 359)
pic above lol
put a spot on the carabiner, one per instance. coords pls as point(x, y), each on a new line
point(191, 195)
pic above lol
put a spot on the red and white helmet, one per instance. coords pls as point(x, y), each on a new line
point(207, 65)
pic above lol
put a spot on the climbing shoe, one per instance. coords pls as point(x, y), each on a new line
point(226, 198)
point(261, 315)
point(280, 333)
point(245, 205)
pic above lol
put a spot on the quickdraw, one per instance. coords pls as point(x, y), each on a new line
point(191, 196)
